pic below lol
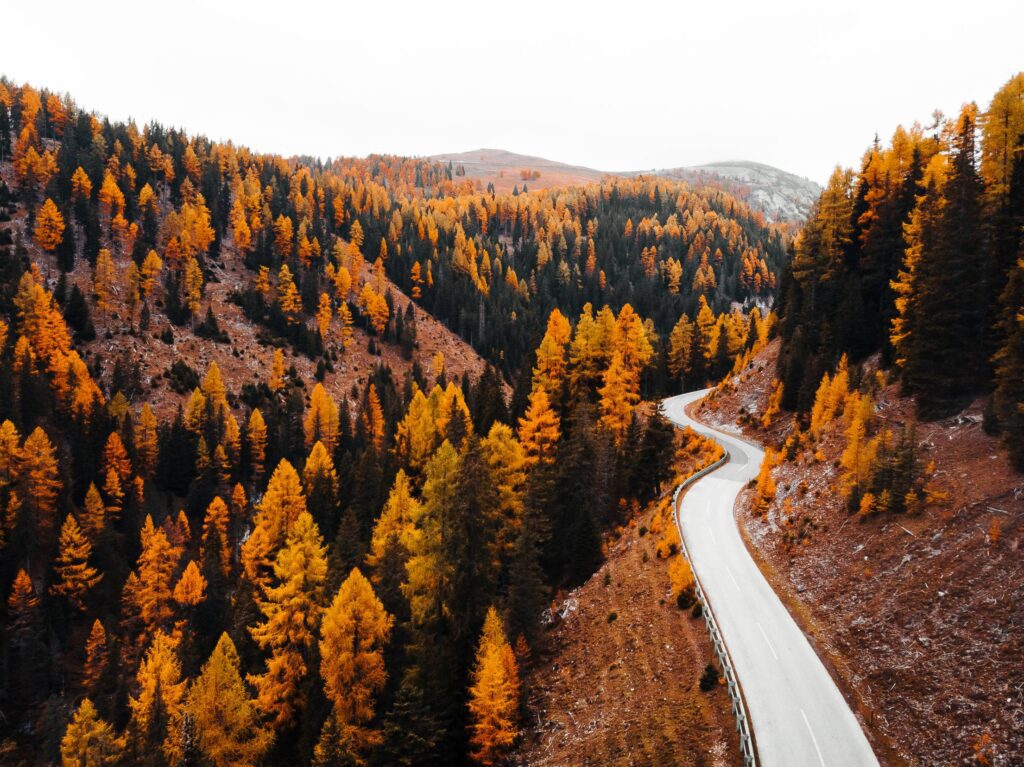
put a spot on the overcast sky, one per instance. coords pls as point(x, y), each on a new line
point(627, 86)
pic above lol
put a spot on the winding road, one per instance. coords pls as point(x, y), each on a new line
point(798, 715)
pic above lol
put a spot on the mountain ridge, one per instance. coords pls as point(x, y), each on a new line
point(779, 194)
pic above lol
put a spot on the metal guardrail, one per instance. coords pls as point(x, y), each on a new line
point(739, 705)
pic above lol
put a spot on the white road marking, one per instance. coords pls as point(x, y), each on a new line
point(767, 640)
point(814, 740)
point(734, 583)
point(712, 534)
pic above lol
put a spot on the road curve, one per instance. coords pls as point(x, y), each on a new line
point(798, 715)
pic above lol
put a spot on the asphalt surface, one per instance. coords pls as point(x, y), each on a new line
point(798, 715)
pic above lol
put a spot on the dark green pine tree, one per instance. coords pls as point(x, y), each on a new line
point(1008, 399)
point(946, 361)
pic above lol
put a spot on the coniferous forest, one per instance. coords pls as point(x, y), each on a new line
point(207, 567)
point(918, 257)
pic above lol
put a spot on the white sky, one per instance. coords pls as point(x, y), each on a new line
point(623, 86)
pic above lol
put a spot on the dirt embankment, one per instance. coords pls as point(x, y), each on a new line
point(921, 617)
point(616, 682)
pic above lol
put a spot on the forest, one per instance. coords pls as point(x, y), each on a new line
point(918, 258)
point(225, 569)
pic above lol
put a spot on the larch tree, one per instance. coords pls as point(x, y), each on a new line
point(227, 723)
point(105, 280)
point(353, 635)
point(619, 396)
point(97, 656)
point(94, 514)
point(550, 370)
point(49, 228)
point(42, 481)
point(215, 547)
point(539, 430)
point(157, 703)
point(115, 457)
point(256, 434)
point(288, 298)
point(320, 479)
point(148, 591)
point(389, 543)
point(89, 741)
point(292, 610)
point(321, 422)
point(147, 446)
point(76, 578)
point(493, 695)
point(282, 504)
point(324, 315)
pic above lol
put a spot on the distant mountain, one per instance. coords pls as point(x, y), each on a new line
point(781, 196)
point(508, 169)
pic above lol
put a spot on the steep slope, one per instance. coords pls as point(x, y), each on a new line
point(616, 681)
point(248, 353)
point(918, 615)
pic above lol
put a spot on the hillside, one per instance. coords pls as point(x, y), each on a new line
point(506, 170)
point(243, 427)
point(248, 352)
point(916, 614)
point(779, 195)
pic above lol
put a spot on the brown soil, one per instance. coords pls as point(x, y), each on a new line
point(247, 358)
point(920, 618)
point(625, 692)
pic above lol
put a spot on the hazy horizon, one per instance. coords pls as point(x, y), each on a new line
point(678, 87)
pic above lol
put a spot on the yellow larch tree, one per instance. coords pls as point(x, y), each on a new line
point(353, 635)
point(292, 610)
point(373, 418)
point(157, 703)
point(345, 317)
point(193, 284)
point(89, 741)
point(550, 371)
point(97, 656)
point(256, 434)
point(507, 461)
point(284, 236)
point(152, 264)
point(75, 576)
point(94, 513)
point(619, 396)
point(115, 456)
point(288, 298)
point(493, 695)
point(148, 591)
point(49, 228)
point(324, 315)
point(321, 422)
point(42, 481)
point(416, 433)
point(227, 722)
point(105, 280)
point(282, 504)
point(539, 430)
point(216, 543)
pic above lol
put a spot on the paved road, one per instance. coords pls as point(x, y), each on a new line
point(799, 717)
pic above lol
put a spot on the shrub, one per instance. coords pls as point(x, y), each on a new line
point(709, 679)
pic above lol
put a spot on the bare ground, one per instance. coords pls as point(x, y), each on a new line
point(625, 691)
